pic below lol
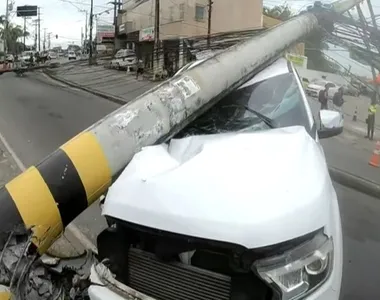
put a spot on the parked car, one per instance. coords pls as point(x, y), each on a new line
point(25, 57)
point(124, 59)
point(52, 55)
point(211, 213)
point(71, 55)
point(9, 58)
point(349, 89)
point(317, 85)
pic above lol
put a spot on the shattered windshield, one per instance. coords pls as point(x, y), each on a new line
point(278, 98)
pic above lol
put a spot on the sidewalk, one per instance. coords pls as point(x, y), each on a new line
point(117, 86)
point(351, 153)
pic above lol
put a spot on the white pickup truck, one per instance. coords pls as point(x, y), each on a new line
point(239, 205)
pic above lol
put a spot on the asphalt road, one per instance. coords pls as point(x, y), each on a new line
point(37, 115)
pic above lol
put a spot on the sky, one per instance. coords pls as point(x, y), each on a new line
point(61, 17)
point(66, 19)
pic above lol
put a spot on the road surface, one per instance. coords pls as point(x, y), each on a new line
point(37, 115)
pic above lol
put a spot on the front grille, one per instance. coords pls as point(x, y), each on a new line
point(174, 281)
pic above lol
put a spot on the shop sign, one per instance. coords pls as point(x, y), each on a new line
point(297, 60)
point(147, 34)
point(122, 28)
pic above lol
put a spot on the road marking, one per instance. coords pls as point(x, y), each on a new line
point(72, 228)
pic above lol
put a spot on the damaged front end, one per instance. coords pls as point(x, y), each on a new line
point(145, 263)
point(148, 264)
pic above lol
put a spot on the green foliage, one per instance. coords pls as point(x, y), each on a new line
point(12, 35)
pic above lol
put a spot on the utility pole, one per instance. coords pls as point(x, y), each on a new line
point(157, 33)
point(49, 40)
point(115, 4)
point(39, 29)
point(24, 33)
point(35, 34)
point(85, 32)
point(6, 46)
point(366, 40)
point(199, 91)
point(44, 43)
point(209, 22)
point(373, 17)
point(90, 61)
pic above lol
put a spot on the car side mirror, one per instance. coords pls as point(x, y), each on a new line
point(331, 123)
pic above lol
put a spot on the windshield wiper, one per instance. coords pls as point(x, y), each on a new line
point(268, 121)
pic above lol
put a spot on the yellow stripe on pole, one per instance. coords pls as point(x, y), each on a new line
point(5, 295)
point(91, 164)
point(37, 207)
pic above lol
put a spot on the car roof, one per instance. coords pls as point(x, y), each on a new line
point(279, 67)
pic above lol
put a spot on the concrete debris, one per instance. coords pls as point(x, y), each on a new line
point(50, 261)
point(32, 277)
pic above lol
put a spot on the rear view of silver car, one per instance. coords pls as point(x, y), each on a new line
point(125, 59)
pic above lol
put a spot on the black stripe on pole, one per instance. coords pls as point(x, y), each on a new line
point(65, 185)
point(9, 214)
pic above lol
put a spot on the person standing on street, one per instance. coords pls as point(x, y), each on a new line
point(338, 100)
point(323, 97)
point(371, 117)
point(139, 68)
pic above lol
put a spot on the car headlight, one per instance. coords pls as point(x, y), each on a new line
point(298, 272)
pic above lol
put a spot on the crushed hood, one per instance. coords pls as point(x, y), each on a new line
point(253, 189)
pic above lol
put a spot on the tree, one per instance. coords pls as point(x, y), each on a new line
point(14, 33)
point(314, 43)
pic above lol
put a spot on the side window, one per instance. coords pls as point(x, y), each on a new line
point(182, 11)
point(171, 10)
point(199, 12)
point(310, 107)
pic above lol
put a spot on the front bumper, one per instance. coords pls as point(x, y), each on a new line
point(106, 287)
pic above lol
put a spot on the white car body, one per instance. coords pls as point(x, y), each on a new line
point(71, 55)
point(124, 59)
point(318, 85)
point(256, 198)
point(9, 58)
point(52, 55)
point(25, 56)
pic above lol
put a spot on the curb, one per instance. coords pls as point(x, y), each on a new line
point(355, 182)
point(91, 91)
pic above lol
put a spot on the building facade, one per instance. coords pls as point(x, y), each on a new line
point(181, 19)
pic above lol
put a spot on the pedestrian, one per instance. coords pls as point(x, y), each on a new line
point(139, 68)
point(31, 59)
point(338, 100)
point(17, 62)
point(371, 117)
point(323, 97)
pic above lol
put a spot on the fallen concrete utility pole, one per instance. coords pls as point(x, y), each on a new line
point(30, 69)
point(48, 196)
